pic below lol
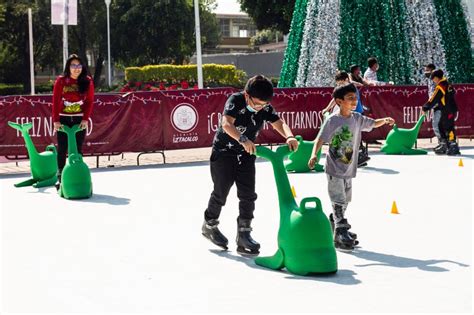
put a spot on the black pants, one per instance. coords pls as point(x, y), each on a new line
point(446, 126)
point(62, 139)
point(225, 170)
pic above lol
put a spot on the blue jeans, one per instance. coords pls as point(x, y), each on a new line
point(435, 122)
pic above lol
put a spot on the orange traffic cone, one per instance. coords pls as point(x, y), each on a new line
point(394, 208)
point(460, 163)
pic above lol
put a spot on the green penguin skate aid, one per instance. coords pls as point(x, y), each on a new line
point(298, 160)
point(44, 165)
point(401, 141)
point(305, 242)
point(76, 180)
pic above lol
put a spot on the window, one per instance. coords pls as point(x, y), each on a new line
point(225, 27)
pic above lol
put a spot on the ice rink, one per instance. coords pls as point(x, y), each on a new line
point(136, 245)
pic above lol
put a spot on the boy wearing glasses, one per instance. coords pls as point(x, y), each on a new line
point(342, 131)
point(233, 159)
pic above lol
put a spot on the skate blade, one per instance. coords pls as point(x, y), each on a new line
point(245, 253)
point(345, 250)
point(218, 245)
point(248, 255)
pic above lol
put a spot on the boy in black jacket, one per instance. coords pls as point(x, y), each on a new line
point(233, 159)
point(443, 98)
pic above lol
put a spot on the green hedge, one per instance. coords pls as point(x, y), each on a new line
point(213, 74)
point(11, 89)
point(17, 89)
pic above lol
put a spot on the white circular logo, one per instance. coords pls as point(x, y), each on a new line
point(184, 117)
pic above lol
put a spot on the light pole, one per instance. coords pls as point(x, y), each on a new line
point(109, 70)
point(198, 44)
point(32, 64)
point(65, 24)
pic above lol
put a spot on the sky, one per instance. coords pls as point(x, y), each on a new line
point(227, 6)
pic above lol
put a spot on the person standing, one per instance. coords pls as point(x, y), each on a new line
point(73, 98)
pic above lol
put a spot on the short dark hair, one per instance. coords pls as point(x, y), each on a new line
point(343, 90)
point(372, 61)
point(430, 66)
point(354, 68)
point(341, 76)
point(259, 87)
point(437, 73)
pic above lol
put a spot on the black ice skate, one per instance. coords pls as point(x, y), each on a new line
point(441, 149)
point(362, 161)
point(352, 235)
point(363, 156)
point(440, 143)
point(212, 233)
point(58, 184)
point(453, 148)
point(342, 240)
point(246, 245)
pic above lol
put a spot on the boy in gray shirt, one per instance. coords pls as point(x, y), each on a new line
point(343, 133)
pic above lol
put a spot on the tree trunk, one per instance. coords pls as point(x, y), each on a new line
point(26, 66)
point(98, 70)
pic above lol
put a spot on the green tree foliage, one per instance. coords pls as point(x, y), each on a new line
point(265, 37)
point(142, 32)
point(275, 14)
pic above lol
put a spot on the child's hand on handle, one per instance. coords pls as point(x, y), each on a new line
point(249, 147)
point(389, 120)
point(83, 124)
point(312, 161)
point(292, 143)
point(57, 125)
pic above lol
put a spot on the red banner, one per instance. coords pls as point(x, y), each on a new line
point(300, 109)
point(404, 103)
point(190, 118)
point(168, 120)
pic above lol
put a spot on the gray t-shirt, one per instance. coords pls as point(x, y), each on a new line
point(343, 135)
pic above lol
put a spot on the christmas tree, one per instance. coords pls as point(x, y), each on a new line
point(404, 35)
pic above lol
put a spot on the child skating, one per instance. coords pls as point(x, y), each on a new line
point(233, 159)
point(342, 131)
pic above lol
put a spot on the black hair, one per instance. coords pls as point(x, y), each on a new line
point(372, 61)
point(354, 68)
point(437, 73)
point(82, 81)
point(341, 76)
point(343, 90)
point(430, 66)
point(259, 87)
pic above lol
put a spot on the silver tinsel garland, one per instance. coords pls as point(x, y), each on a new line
point(425, 37)
point(323, 67)
point(307, 43)
point(466, 15)
point(318, 59)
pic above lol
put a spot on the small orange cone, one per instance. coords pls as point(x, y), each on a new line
point(460, 163)
point(293, 191)
point(394, 208)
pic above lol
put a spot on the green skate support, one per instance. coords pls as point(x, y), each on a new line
point(44, 165)
point(401, 141)
point(305, 241)
point(76, 180)
point(298, 160)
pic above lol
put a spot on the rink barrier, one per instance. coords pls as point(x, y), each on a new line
point(169, 120)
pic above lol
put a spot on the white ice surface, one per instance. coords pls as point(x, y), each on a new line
point(136, 246)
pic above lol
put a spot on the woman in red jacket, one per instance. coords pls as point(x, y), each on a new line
point(73, 98)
